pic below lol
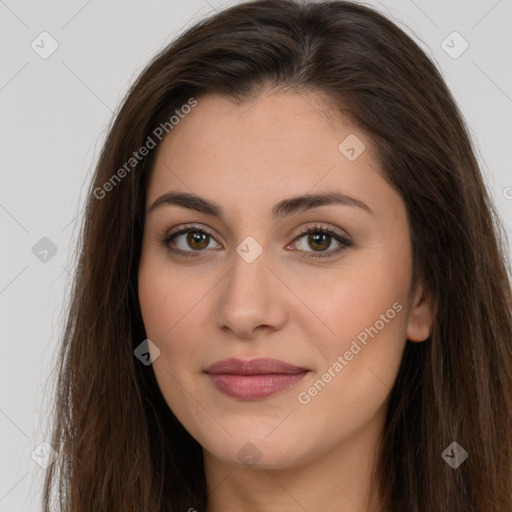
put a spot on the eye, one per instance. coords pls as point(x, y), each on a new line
point(320, 239)
point(188, 240)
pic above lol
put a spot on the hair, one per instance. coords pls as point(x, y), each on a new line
point(119, 446)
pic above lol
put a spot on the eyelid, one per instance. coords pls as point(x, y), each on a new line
point(189, 227)
point(316, 226)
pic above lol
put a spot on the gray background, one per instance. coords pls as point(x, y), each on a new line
point(54, 113)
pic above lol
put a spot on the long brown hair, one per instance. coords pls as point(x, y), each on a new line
point(120, 448)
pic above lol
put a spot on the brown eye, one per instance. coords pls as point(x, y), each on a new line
point(189, 241)
point(197, 240)
point(319, 241)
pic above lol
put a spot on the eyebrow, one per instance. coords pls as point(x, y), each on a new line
point(281, 209)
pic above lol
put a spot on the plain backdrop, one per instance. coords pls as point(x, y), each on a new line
point(55, 108)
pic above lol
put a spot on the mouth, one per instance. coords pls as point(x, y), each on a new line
point(254, 379)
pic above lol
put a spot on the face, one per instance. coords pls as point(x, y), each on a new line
point(322, 285)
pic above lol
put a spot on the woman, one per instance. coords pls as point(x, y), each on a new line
point(291, 291)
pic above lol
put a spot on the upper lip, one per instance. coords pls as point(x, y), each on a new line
point(261, 366)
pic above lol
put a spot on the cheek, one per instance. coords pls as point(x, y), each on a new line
point(356, 298)
point(169, 299)
point(365, 308)
point(169, 305)
point(358, 364)
point(175, 311)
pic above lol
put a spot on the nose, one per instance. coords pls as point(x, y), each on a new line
point(251, 299)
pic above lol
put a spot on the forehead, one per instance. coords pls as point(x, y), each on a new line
point(273, 145)
point(283, 119)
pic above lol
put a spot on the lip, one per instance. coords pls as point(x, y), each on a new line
point(254, 379)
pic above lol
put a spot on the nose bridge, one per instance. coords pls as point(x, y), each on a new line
point(250, 297)
point(249, 269)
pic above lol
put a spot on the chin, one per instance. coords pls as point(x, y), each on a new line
point(257, 452)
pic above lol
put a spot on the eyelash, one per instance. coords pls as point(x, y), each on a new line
point(344, 242)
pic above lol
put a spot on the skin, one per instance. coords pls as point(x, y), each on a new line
point(214, 305)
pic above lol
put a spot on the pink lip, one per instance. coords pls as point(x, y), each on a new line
point(254, 379)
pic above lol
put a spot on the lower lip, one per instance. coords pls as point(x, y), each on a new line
point(254, 387)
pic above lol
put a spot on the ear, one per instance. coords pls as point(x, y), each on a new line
point(420, 316)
